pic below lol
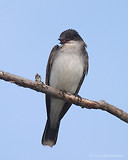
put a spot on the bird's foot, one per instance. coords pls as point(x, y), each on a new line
point(79, 97)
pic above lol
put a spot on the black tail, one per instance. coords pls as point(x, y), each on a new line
point(50, 134)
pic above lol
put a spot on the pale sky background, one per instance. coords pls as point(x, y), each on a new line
point(28, 31)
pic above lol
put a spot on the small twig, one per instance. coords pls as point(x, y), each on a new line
point(84, 103)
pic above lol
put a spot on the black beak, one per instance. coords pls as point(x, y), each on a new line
point(62, 41)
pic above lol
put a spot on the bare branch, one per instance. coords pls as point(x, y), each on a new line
point(84, 103)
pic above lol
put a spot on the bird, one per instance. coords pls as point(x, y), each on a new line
point(66, 69)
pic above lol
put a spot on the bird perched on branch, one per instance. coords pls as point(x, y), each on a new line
point(66, 69)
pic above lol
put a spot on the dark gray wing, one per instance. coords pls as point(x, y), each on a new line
point(85, 68)
point(48, 70)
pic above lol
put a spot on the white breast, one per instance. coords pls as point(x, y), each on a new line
point(67, 69)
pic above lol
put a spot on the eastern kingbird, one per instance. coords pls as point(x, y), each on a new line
point(66, 69)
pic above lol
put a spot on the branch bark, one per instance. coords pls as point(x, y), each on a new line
point(84, 103)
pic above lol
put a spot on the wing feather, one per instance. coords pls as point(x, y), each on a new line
point(48, 70)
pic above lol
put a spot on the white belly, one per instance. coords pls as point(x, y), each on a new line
point(67, 70)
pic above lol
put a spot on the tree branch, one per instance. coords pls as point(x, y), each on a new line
point(84, 103)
